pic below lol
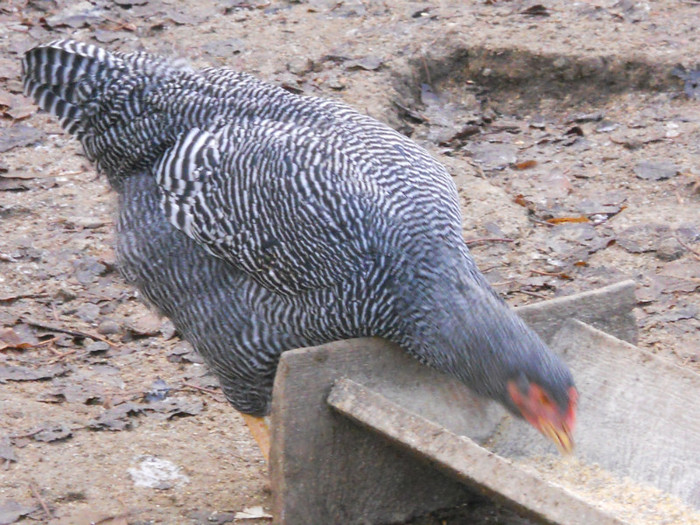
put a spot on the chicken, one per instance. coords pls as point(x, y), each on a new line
point(259, 221)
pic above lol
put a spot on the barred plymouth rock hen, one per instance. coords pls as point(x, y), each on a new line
point(261, 221)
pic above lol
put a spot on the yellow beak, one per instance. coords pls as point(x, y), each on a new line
point(561, 437)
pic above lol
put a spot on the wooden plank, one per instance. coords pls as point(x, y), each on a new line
point(640, 414)
point(608, 309)
point(324, 468)
point(462, 459)
point(317, 454)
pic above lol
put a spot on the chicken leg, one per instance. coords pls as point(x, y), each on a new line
point(261, 433)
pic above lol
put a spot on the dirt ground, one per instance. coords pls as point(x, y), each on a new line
point(569, 127)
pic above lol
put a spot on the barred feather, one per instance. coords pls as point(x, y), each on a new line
point(260, 221)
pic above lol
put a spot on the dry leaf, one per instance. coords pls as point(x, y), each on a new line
point(23, 373)
point(656, 170)
point(92, 517)
point(562, 220)
point(252, 513)
point(11, 511)
point(9, 338)
point(145, 325)
point(16, 136)
point(527, 164)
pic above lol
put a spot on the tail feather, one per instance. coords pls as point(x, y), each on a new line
point(54, 73)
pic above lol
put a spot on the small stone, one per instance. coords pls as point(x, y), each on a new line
point(336, 83)
point(669, 249)
point(108, 328)
point(89, 223)
point(167, 329)
point(560, 63)
point(65, 295)
point(97, 347)
point(300, 66)
point(88, 312)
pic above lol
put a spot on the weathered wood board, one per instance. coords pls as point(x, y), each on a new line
point(324, 467)
point(609, 309)
point(462, 459)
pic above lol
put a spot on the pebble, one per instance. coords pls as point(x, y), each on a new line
point(108, 328)
point(88, 312)
point(97, 346)
point(669, 249)
point(65, 295)
point(300, 66)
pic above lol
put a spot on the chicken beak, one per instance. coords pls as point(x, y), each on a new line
point(560, 436)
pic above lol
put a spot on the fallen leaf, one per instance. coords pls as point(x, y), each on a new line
point(98, 347)
point(87, 312)
point(16, 106)
point(130, 3)
point(586, 117)
point(82, 392)
point(17, 136)
point(656, 170)
point(522, 201)
point(23, 373)
point(589, 207)
point(422, 13)
point(88, 269)
point(107, 37)
point(182, 19)
point(116, 418)
point(11, 511)
point(91, 517)
point(368, 63)
point(13, 184)
point(144, 325)
point(410, 114)
point(536, 10)
point(184, 353)
point(679, 314)
point(493, 155)
point(576, 130)
point(527, 164)
point(7, 453)
point(692, 81)
point(642, 237)
point(252, 513)
point(80, 14)
point(224, 48)
point(606, 126)
point(631, 10)
point(158, 392)
point(175, 407)
point(9, 338)
point(157, 473)
point(58, 432)
point(561, 220)
point(682, 269)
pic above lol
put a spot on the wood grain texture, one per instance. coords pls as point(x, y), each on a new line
point(326, 469)
point(640, 414)
point(608, 309)
point(637, 417)
point(463, 459)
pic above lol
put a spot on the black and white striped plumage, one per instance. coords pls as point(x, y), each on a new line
point(261, 221)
